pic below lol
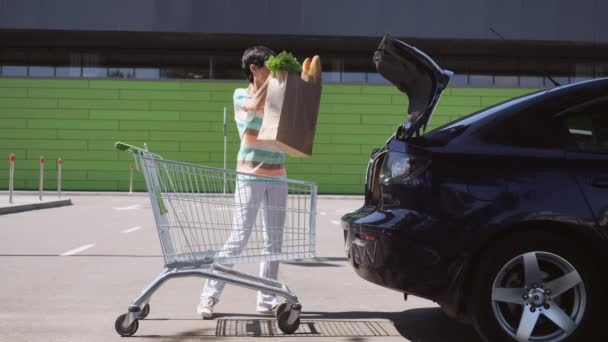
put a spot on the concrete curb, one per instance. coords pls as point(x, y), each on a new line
point(18, 208)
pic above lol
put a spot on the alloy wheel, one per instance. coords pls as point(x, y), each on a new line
point(538, 296)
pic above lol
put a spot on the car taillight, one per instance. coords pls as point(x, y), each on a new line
point(372, 179)
point(400, 167)
point(366, 237)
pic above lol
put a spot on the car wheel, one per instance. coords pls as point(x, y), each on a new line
point(536, 287)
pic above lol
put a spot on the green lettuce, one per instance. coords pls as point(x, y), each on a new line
point(284, 61)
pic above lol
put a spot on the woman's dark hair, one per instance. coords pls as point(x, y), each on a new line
point(255, 55)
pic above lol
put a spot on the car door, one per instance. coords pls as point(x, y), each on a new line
point(587, 126)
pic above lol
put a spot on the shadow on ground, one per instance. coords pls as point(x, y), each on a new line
point(419, 325)
point(416, 325)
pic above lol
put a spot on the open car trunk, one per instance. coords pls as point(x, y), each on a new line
point(415, 74)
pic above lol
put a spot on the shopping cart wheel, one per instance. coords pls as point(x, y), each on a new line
point(283, 312)
point(144, 312)
point(121, 330)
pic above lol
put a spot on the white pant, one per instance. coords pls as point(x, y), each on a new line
point(250, 195)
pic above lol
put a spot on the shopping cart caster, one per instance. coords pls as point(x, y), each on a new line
point(128, 331)
point(144, 312)
point(288, 318)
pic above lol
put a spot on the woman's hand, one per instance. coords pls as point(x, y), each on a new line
point(256, 102)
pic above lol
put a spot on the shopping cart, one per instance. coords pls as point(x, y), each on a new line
point(194, 208)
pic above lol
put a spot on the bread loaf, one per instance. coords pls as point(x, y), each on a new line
point(315, 67)
point(306, 68)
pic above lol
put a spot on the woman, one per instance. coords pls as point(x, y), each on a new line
point(251, 193)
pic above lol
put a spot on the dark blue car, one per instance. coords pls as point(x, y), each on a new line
point(501, 217)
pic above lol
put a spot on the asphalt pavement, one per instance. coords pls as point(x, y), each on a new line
point(67, 273)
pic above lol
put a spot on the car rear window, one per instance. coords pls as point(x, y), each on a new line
point(484, 113)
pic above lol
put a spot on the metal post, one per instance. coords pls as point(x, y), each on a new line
point(225, 143)
point(41, 178)
point(59, 177)
point(11, 176)
point(131, 178)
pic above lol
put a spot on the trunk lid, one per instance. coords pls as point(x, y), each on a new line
point(415, 74)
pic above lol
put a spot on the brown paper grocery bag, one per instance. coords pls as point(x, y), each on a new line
point(290, 113)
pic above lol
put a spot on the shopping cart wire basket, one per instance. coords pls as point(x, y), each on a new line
point(199, 214)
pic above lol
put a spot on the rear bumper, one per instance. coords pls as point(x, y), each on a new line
point(398, 249)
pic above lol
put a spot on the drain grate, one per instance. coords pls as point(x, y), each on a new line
point(312, 328)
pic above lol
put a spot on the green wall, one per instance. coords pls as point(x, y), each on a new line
point(79, 121)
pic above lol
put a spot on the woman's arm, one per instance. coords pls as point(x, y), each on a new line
point(256, 102)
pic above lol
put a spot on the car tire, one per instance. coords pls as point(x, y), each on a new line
point(497, 313)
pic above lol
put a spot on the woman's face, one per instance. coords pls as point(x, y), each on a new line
point(260, 73)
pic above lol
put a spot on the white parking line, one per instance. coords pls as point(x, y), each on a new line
point(131, 230)
point(131, 207)
point(76, 250)
point(337, 223)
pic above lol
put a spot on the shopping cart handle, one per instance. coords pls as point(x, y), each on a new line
point(126, 147)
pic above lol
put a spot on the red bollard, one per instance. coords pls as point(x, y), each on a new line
point(59, 177)
point(41, 190)
point(11, 177)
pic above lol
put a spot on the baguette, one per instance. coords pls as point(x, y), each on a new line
point(315, 67)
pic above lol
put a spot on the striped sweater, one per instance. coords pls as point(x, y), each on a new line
point(254, 156)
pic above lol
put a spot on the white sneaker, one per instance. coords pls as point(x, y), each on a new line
point(205, 308)
point(267, 309)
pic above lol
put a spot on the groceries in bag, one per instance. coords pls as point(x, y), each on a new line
point(292, 104)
